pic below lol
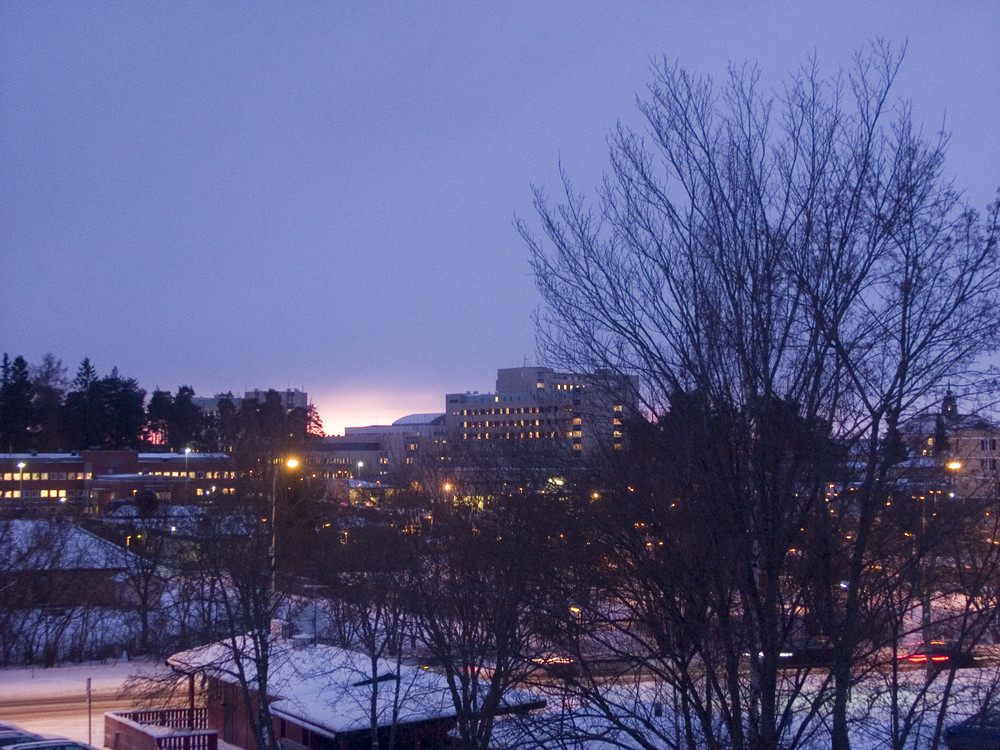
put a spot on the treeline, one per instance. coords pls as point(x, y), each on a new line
point(42, 409)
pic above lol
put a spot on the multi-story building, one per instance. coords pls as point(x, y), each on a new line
point(90, 481)
point(583, 412)
point(535, 407)
point(292, 398)
point(377, 452)
point(958, 452)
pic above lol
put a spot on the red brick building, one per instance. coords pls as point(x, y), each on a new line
point(89, 482)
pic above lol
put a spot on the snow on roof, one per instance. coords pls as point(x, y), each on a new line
point(192, 456)
point(329, 690)
point(56, 545)
point(419, 419)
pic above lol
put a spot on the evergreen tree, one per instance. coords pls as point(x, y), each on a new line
point(17, 413)
point(122, 399)
point(50, 383)
point(158, 416)
point(186, 422)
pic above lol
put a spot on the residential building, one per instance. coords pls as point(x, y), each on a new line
point(954, 453)
point(324, 698)
point(55, 564)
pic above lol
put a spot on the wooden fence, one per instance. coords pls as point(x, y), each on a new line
point(159, 729)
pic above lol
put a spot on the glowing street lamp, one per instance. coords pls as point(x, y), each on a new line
point(291, 463)
point(953, 467)
point(20, 473)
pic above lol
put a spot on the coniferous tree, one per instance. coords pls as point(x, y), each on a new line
point(50, 384)
point(185, 425)
point(17, 411)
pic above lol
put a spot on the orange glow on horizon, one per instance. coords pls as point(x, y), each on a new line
point(363, 408)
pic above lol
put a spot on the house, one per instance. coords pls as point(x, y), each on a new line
point(55, 563)
point(326, 698)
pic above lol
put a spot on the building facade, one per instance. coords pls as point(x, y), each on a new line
point(580, 412)
point(957, 453)
point(89, 482)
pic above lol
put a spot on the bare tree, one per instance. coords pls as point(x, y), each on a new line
point(796, 267)
point(477, 591)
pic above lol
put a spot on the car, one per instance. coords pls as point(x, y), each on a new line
point(58, 743)
point(980, 732)
point(806, 653)
point(940, 653)
point(9, 737)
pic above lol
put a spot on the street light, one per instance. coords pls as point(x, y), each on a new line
point(291, 463)
point(20, 474)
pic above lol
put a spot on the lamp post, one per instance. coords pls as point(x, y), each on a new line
point(20, 475)
point(291, 463)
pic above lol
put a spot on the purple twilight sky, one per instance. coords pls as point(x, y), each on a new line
point(320, 195)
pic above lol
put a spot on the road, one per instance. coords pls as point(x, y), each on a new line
point(54, 701)
point(65, 716)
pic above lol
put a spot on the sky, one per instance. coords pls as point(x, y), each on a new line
point(322, 195)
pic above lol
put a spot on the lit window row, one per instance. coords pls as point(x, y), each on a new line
point(46, 476)
point(192, 474)
point(507, 435)
point(504, 411)
point(45, 494)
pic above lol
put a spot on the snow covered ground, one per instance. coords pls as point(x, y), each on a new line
point(54, 701)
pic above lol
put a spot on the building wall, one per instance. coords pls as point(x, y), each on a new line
point(954, 453)
point(583, 412)
point(88, 481)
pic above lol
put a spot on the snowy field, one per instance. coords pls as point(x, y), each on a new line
point(24, 691)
